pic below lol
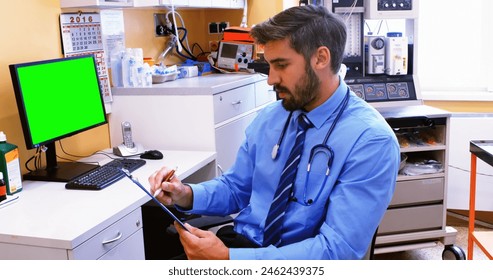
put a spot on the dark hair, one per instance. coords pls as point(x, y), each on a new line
point(308, 28)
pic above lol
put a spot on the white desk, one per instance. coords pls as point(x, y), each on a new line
point(51, 222)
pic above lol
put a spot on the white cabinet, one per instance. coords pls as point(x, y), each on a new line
point(201, 113)
point(178, 3)
point(122, 240)
point(96, 3)
point(237, 3)
point(200, 3)
point(111, 4)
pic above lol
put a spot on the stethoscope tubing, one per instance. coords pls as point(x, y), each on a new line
point(319, 148)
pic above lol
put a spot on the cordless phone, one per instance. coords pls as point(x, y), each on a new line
point(127, 135)
point(128, 147)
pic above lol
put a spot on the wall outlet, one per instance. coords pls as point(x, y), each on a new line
point(223, 25)
point(160, 28)
point(213, 28)
point(213, 46)
point(217, 27)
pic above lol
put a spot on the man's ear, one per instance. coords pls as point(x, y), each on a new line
point(322, 58)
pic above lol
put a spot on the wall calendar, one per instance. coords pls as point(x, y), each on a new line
point(81, 35)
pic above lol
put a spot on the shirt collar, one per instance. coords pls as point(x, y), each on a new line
point(322, 113)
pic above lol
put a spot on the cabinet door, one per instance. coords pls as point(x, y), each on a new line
point(228, 140)
point(94, 3)
point(237, 3)
point(221, 3)
point(200, 3)
point(179, 3)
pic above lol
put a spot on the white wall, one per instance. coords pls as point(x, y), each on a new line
point(464, 128)
point(455, 43)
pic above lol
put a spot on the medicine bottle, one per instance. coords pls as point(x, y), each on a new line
point(3, 188)
point(10, 165)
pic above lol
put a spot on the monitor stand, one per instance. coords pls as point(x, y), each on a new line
point(58, 171)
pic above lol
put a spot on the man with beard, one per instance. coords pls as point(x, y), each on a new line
point(329, 210)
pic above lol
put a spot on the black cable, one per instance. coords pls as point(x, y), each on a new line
point(202, 52)
point(182, 39)
point(68, 154)
point(185, 33)
point(34, 157)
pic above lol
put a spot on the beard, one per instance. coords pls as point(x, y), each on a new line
point(305, 91)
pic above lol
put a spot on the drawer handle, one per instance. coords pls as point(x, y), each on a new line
point(113, 240)
point(221, 171)
point(237, 102)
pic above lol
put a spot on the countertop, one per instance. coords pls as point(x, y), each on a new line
point(204, 85)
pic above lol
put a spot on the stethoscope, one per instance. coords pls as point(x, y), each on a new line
point(321, 148)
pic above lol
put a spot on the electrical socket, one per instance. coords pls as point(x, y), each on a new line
point(213, 46)
point(222, 25)
point(160, 28)
point(217, 27)
point(213, 28)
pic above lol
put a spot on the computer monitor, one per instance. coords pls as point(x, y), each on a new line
point(56, 99)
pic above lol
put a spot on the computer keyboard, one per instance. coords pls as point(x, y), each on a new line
point(104, 175)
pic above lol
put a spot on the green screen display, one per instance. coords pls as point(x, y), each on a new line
point(60, 98)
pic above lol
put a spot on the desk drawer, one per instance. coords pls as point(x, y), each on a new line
point(233, 102)
point(264, 93)
point(110, 237)
point(412, 219)
point(130, 249)
point(418, 191)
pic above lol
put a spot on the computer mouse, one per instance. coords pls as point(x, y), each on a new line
point(152, 154)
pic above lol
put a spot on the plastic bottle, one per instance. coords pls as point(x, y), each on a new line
point(147, 75)
point(116, 65)
point(3, 188)
point(127, 65)
point(10, 165)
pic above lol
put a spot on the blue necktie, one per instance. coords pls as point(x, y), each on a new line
point(273, 223)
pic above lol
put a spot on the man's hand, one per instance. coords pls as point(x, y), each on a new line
point(202, 245)
point(173, 190)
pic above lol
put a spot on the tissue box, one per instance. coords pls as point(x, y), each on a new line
point(188, 71)
point(203, 67)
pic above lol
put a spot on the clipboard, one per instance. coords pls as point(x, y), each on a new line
point(127, 173)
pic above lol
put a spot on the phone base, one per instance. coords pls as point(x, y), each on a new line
point(123, 151)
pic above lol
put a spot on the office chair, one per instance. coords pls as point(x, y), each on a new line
point(370, 254)
point(161, 241)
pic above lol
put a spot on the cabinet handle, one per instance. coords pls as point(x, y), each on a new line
point(113, 240)
point(221, 171)
point(237, 102)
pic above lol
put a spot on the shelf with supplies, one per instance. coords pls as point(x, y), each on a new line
point(107, 4)
point(423, 147)
point(416, 216)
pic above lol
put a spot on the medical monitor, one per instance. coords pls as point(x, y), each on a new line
point(56, 99)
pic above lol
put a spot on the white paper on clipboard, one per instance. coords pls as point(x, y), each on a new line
point(82, 35)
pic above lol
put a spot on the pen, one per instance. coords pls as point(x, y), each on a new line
point(166, 179)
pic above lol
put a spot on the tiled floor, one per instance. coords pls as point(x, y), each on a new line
point(435, 253)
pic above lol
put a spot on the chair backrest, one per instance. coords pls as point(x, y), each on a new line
point(370, 253)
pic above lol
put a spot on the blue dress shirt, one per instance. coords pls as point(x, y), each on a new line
point(340, 223)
